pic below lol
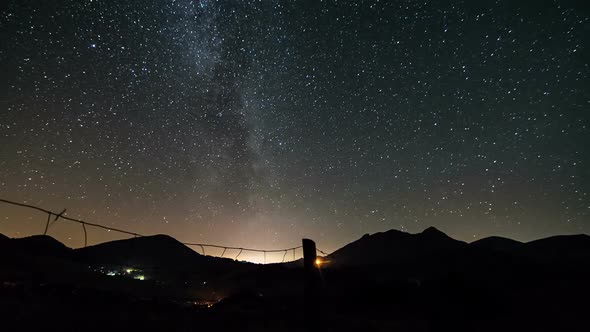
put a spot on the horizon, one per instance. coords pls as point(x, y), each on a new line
point(249, 254)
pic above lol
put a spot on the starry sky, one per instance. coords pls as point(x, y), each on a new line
point(257, 123)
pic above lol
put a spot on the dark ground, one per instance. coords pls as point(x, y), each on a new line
point(554, 302)
point(450, 286)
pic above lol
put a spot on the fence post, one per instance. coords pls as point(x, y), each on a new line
point(311, 277)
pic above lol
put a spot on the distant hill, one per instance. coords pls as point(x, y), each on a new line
point(434, 255)
point(159, 257)
point(37, 245)
point(157, 251)
point(561, 247)
point(555, 248)
point(148, 251)
point(497, 243)
point(164, 258)
point(38, 257)
point(394, 246)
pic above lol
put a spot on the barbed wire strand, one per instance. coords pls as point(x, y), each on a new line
point(135, 234)
point(70, 219)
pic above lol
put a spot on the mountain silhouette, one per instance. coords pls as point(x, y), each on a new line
point(394, 246)
point(556, 248)
point(146, 251)
point(40, 258)
point(387, 276)
point(561, 247)
point(497, 243)
point(162, 257)
point(37, 245)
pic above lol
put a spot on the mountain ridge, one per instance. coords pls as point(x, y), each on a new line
point(394, 246)
point(391, 246)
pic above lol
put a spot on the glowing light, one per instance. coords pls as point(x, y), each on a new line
point(129, 270)
point(139, 277)
point(318, 262)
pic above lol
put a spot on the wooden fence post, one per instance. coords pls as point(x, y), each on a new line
point(311, 286)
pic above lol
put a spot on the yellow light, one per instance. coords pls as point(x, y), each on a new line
point(318, 262)
point(129, 270)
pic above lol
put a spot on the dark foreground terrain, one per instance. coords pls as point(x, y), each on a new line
point(390, 281)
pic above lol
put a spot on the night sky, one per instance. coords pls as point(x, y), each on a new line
point(257, 123)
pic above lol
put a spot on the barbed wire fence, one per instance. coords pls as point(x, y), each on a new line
point(61, 215)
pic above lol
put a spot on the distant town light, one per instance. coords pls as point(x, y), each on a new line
point(139, 277)
point(318, 262)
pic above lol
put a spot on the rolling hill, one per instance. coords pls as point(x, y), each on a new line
point(393, 247)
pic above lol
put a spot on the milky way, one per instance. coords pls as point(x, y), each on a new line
point(256, 123)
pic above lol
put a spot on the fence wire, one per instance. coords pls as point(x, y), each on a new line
point(61, 215)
